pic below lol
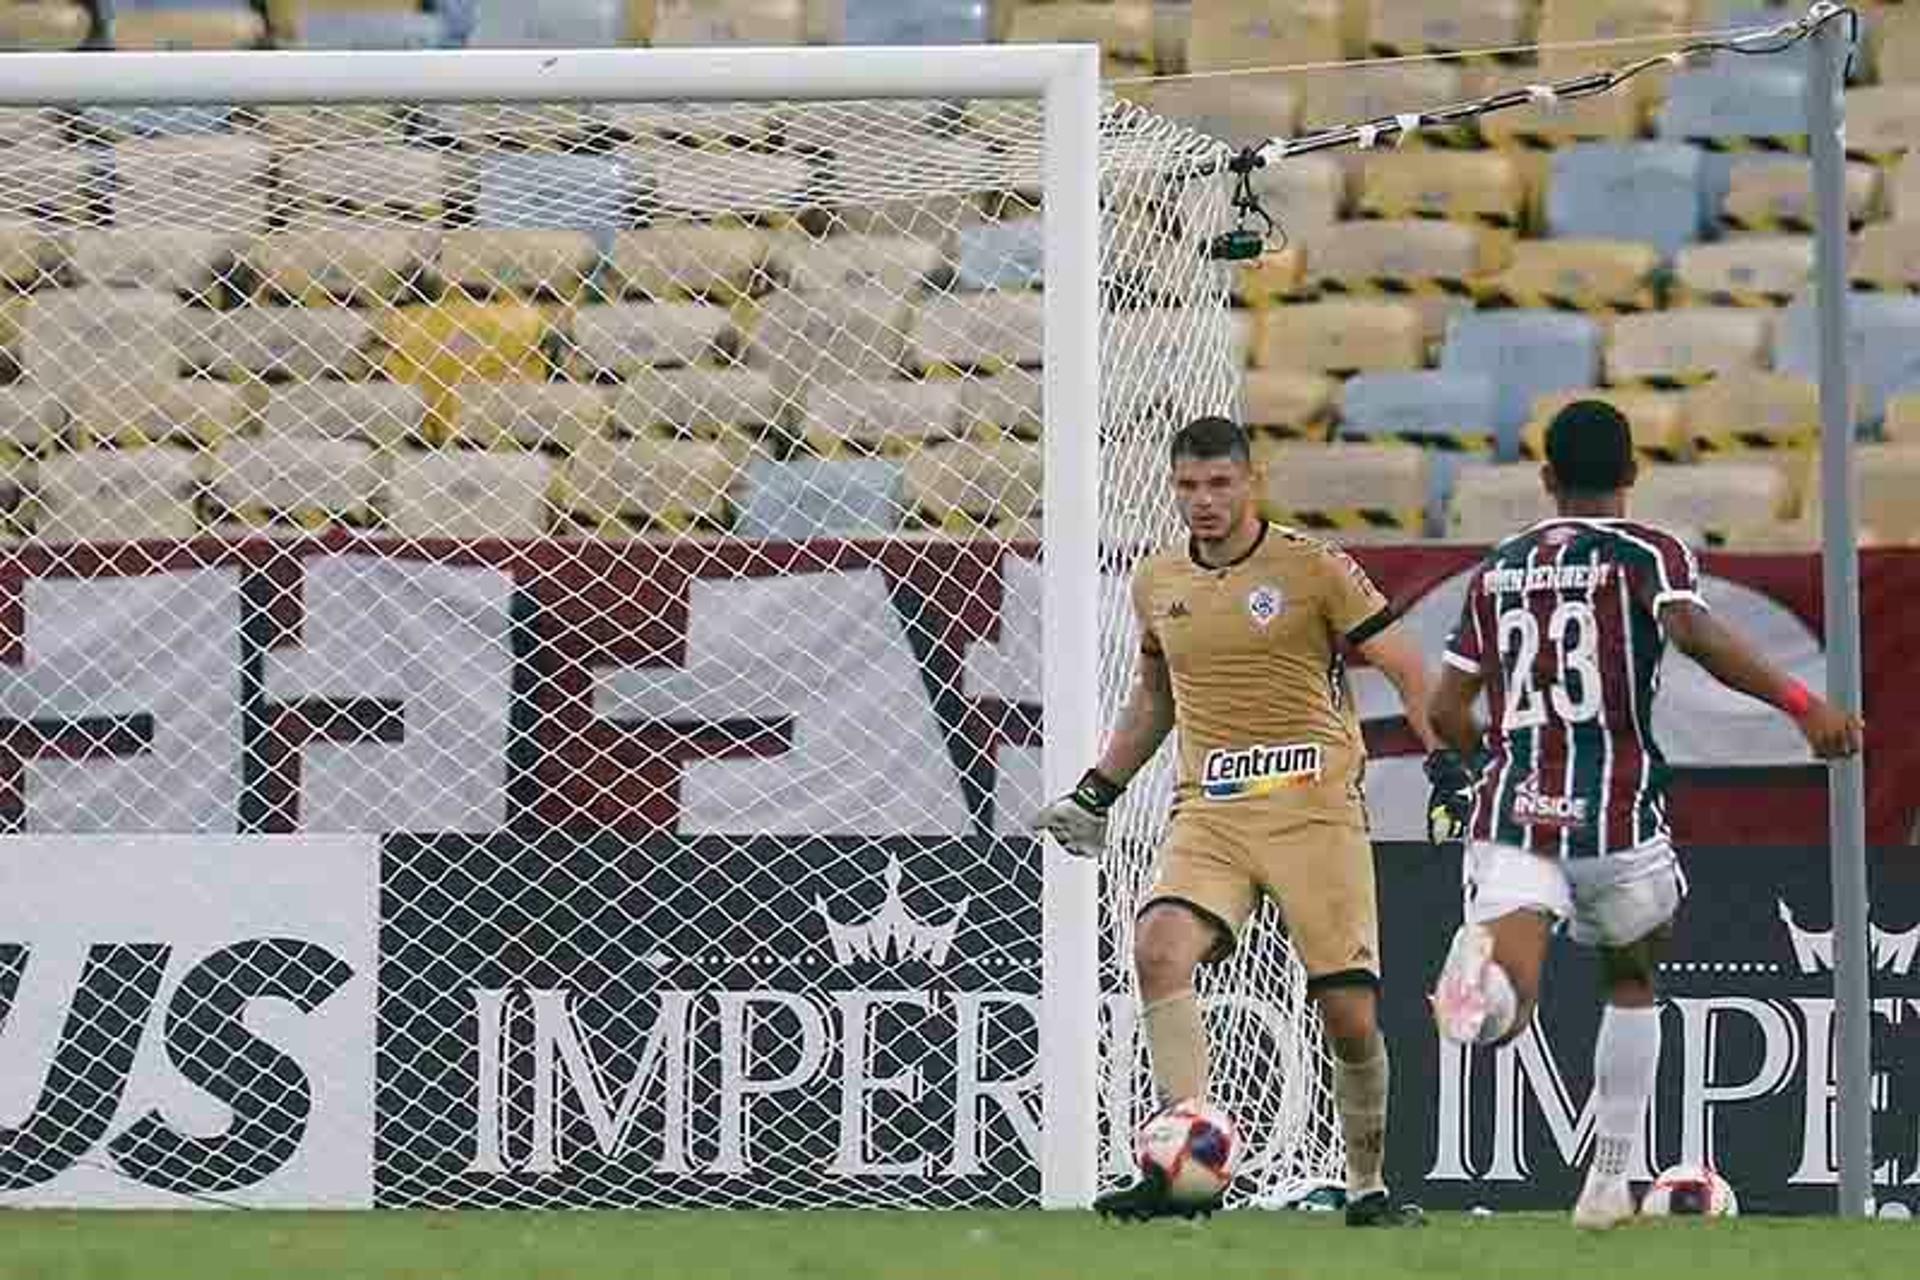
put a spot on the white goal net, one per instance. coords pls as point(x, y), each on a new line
point(626, 519)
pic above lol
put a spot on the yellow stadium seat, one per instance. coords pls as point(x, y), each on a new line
point(329, 126)
point(1575, 275)
point(529, 262)
point(1716, 501)
point(1685, 347)
point(1658, 419)
point(274, 482)
point(31, 419)
point(967, 485)
point(281, 343)
point(1890, 493)
point(881, 417)
point(1368, 93)
point(206, 182)
point(1585, 22)
point(705, 403)
point(1428, 264)
point(29, 256)
point(177, 411)
point(1775, 194)
point(1448, 26)
point(687, 184)
point(1749, 271)
point(1605, 117)
point(1288, 404)
point(1014, 401)
point(1886, 256)
point(118, 495)
point(330, 266)
point(674, 262)
point(893, 264)
point(622, 338)
point(1893, 39)
point(1347, 492)
point(468, 494)
point(1342, 337)
point(1122, 28)
point(408, 183)
point(800, 338)
point(79, 339)
point(984, 332)
point(380, 413)
point(553, 416)
point(46, 183)
point(716, 22)
point(1480, 187)
point(1883, 121)
point(1902, 423)
point(29, 128)
point(192, 261)
point(614, 488)
point(1495, 500)
point(188, 29)
point(1903, 189)
point(44, 26)
point(1229, 35)
point(437, 347)
point(1241, 107)
point(1306, 195)
point(1753, 410)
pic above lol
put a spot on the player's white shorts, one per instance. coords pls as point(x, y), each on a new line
point(1610, 901)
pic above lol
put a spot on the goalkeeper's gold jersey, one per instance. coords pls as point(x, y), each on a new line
point(1262, 706)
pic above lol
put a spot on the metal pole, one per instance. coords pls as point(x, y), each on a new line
point(1846, 798)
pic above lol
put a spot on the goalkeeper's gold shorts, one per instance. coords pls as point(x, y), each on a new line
point(1220, 859)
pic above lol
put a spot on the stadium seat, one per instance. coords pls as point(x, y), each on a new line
point(613, 488)
point(1479, 187)
point(1347, 492)
point(30, 129)
point(203, 182)
point(1890, 493)
point(1605, 117)
point(1893, 43)
point(709, 404)
point(1528, 354)
point(982, 332)
point(106, 125)
point(800, 338)
point(567, 24)
point(1341, 338)
point(1305, 194)
point(1583, 21)
point(688, 184)
point(1427, 264)
point(279, 483)
point(1002, 255)
point(619, 339)
point(669, 263)
point(1722, 106)
point(394, 27)
point(409, 183)
point(1229, 35)
point(1123, 29)
point(1883, 121)
point(1455, 412)
point(46, 184)
point(328, 266)
point(1753, 410)
point(921, 22)
point(896, 264)
point(1775, 194)
point(968, 485)
point(30, 258)
point(278, 344)
point(49, 26)
point(552, 416)
point(380, 413)
point(31, 419)
point(1883, 336)
point(329, 126)
point(1748, 271)
point(194, 262)
point(1902, 422)
point(75, 340)
point(1717, 500)
point(1288, 404)
point(1447, 26)
point(1658, 420)
point(806, 498)
point(1014, 401)
point(1886, 258)
point(1902, 189)
point(1493, 501)
point(1575, 275)
point(1369, 92)
point(880, 417)
point(1245, 107)
point(458, 340)
point(1647, 191)
point(680, 23)
point(178, 29)
point(526, 263)
point(547, 190)
point(1673, 349)
point(177, 411)
point(468, 494)
point(118, 495)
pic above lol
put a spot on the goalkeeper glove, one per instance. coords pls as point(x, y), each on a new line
point(1450, 804)
point(1078, 820)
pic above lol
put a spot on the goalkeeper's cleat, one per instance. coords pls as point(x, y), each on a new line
point(1604, 1203)
point(1376, 1209)
point(1148, 1199)
point(1460, 997)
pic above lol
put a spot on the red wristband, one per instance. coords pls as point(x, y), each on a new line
point(1796, 700)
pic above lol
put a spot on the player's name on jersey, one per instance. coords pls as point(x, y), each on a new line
point(1253, 771)
point(1546, 577)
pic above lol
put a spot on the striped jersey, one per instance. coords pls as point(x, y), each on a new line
point(1562, 625)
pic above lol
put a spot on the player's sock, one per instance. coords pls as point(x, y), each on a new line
point(1177, 1043)
point(1360, 1095)
point(1626, 1058)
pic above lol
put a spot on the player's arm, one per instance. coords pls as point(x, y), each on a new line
point(1393, 652)
point(1451, 709)
point(1729, 659)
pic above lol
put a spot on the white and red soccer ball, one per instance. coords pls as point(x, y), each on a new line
point(1193, 1146)
point(1690, 1190)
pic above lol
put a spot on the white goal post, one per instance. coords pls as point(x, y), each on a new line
point(624, 488)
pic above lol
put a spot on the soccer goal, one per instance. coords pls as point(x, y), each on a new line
point(530, 589)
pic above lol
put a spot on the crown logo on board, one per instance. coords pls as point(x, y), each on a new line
point(892, 931)
point(1887, 951)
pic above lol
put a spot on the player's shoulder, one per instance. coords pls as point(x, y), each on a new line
point(1288, 545)
point(1160, 564)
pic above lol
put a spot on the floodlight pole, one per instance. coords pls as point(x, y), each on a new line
point(1846, 797)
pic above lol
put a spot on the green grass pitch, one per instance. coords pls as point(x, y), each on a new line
point(924, 1246)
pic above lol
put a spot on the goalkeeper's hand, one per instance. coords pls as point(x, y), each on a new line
point(1078, 820)
point(1450, 804)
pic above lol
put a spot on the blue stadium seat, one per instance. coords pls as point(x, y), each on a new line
point(1450, 414)
point(1002, 255)
point(1654, 192)
point(1744, 100)
point(520, 24)
point(157, 122)
point(920, 22)
point(1527, 354)
point(573, 192)
point(816, 498)
point(355, 29)
point(1884, 340)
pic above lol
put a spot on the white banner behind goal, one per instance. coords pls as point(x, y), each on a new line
point(639, 515)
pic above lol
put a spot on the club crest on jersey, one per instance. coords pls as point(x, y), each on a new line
point(1264, 605)
point(1229, 773)
point(1533, 808)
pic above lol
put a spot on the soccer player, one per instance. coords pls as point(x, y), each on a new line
point(1563, 627)
point(1240, 648)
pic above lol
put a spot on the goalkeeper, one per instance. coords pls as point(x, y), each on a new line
point(1240, 649)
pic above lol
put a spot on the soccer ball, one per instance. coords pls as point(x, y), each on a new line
point(1193, 1147)
point(1691, 1190)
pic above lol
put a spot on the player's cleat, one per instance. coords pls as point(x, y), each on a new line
point(1460, 997)
point(1148, 1199)
point(1375, 1209)
point(1604, 1203)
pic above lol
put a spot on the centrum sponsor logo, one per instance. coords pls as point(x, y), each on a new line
point(1255, 771)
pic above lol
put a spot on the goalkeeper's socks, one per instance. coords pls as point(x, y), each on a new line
point(1177, 1043)
point(1626, 1057)
point(1360, 1096)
